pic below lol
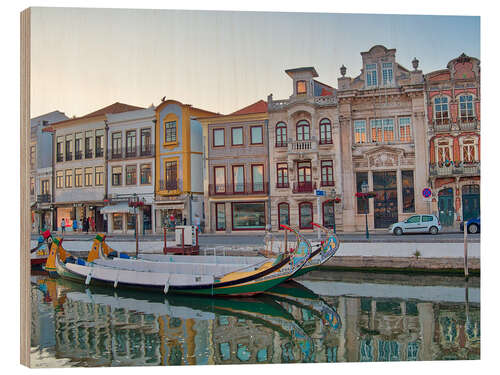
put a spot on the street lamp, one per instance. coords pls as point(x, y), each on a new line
point(364, 190)
point(135, 202)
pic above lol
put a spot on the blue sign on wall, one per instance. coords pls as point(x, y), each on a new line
point(319, 193)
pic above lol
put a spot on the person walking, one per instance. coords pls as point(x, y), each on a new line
point(85, 225)
point(63, 226)
point(75, 225)
point(197, 223)
point(92, 223)
point(172, 221)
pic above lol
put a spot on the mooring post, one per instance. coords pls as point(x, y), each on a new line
point(164, 240)
point(182, 240)
point(466, 266)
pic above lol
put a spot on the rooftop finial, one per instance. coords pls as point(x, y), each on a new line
point(343, 70)
point(415, 63)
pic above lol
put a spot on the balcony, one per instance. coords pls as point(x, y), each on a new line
point(170, 187)
point(281, 144)
point(238, 189)
point(462, 169)
point(467, 123)
point(442, 125)
point(303, 187)
point(43, 198)
point(115, 154)
point(320, 101)
point(88, 154)
point(69, 156)
point(327, 183)
point(282, 185)
point(78, 155)
point(59, 157)
point(302, 147)
point(99, 152)
point(147, 150)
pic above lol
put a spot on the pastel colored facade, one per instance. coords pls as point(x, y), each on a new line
point(178, 163)
point(131, 153)
point(80, 167)
point(41, 172)
point(383, 141)
point(304, 138)
point(453, 97)
point(236, 187)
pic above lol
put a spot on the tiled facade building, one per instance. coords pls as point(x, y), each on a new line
point(236, 168)
point(453, 97)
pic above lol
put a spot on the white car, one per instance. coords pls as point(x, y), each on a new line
point(417, 224)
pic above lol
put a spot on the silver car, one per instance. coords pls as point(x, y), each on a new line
point(417, 224)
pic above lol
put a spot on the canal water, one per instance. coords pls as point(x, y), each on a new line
point(323, 317)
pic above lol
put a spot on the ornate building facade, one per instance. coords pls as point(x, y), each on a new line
point(453, 99)
point(304, 154)
point(383, 141)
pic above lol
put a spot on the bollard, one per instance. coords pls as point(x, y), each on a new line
point(286, 241)
point(164, 240)
point(466, 266)
point(183, 241)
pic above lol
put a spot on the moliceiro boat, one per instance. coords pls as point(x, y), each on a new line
point(186, 278)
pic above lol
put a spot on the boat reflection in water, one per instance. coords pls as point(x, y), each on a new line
point(74, 326)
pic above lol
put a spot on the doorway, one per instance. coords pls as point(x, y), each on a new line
point(470, 202)
point(446, 208)
point(386, 199)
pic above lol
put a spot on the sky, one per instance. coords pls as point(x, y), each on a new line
point(85, 59)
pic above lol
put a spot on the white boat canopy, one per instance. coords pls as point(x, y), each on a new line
point(121, 207)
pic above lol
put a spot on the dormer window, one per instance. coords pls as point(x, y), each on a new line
point(301, 88)
point(387, 74)
point(371, 75)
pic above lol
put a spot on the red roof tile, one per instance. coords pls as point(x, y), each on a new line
point(113, 108)
point(258, 107)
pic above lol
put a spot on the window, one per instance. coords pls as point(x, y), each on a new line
point(283, 214)
point(238, 179)
point(32, 186)
point(117, 221)
point(248, 216)
point(258, 178)
point(328, 214)
point(145, 174)
point(469, 151)
point(371, 75)
point(360, 131)
point(325, 132)
point(305, 215)
point(116, 176)
point(146, 142)
point(220, 179)
point(387, 74)
point(303, 131)
point(236, 136)
point(220, 216)
point(130, 143)
point(327, 173)
point(413, 219)
point(88, 144)
point(304, 174)
point(99, 143)
point(170, 131)
point(361, 178)
point(130, 221)
point(69, 148)
point(59, 149)
point(116, 145)
point(426, 218)
point(408, 191)
point(99, 176)
point(131, 175)
point(466, 108)
point(404, 129)
point(32, 156)
point(171, 175)
point(444, 151)
point(78, 146)
point(59, 179)
point(301, 87)
point(88, 176)
point(281, 140)
point(256, 135)
point(68, 178)
point(45, 187)
point(78, 177)
point(441, 114)
point(376, 126)
point(219, 138)
point(282, 175)
point(388, 124)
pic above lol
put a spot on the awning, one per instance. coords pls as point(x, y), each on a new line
point(121, 207)
point(170, 206)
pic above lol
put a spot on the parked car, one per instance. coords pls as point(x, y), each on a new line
point(417, 224)
point(473, 225)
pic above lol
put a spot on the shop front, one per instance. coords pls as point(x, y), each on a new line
point(169, 215)
point(121, 218)
point(248, 215)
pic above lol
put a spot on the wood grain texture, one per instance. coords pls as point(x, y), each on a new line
point(25, 208)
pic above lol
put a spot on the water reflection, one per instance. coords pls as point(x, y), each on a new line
point(73, 326)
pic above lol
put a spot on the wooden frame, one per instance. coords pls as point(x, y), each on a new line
point(302, 204)
point(223, 137)
point(242, 136)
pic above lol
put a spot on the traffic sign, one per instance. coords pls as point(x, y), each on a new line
point(426, 193)
point(319, 193)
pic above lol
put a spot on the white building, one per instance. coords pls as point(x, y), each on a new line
point(131, 153)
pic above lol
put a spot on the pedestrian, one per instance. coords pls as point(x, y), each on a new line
point(85, 225)
point(172, 221)
point(75, 225)
point(104, 222)
point(92, 223)
point(63, 226)
point(197, 223)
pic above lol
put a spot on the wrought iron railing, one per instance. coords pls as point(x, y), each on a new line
point(236, 189)
point(303, 187)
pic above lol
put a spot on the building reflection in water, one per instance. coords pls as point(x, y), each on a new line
point(100, 329)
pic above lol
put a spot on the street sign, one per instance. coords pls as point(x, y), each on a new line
point(426, 193)
point(319, 193)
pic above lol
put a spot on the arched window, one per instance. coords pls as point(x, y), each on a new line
point(444, 151)
point(281, 140)
point(303, 131)
point(305, 215)
point(466, 108)
point(441, 111)
point(328, 214)
point(325, 132)
point(283, 214)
